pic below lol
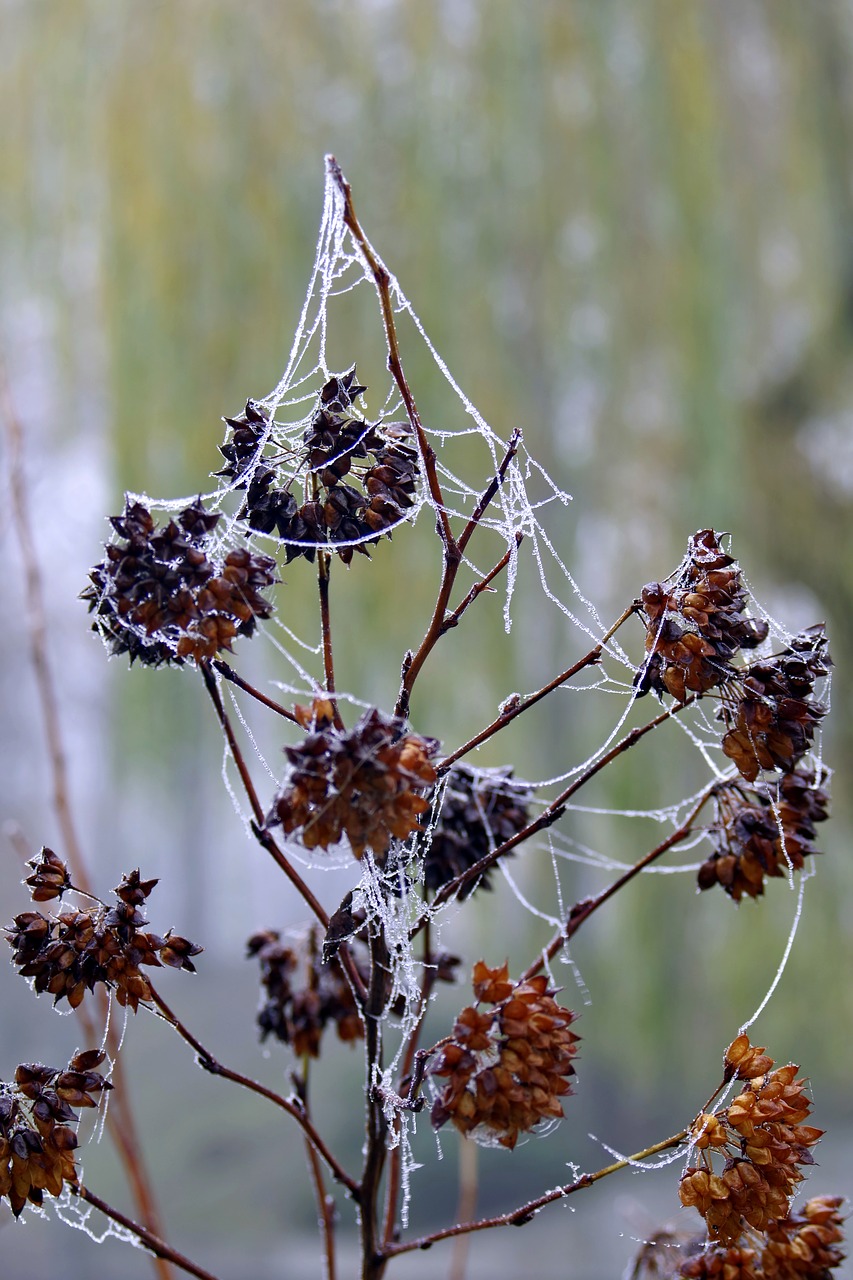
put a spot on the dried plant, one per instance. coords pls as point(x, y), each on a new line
point(421, 828)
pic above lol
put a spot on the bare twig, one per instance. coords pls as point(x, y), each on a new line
point(157, 1246)
point(120, 1118)
point(216, 1068)
point(518, 1217)
point(324, 565)
point(583, 910)
point(228, 673)
point(516, 707)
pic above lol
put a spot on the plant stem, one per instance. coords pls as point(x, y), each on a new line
point(236, 753)
point(524, 704)
point(373, 1264)
point(581, 911)
point(157, 1246)
point(439, 622)
point(518, 1217)
point(228, 673)
point(552, 812)
point(120, 1118)
point(323, 575)
point(216, 1068)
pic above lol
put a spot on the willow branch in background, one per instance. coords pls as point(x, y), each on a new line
point(120, 1119)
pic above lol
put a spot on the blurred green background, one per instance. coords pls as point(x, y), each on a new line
point(629, 230)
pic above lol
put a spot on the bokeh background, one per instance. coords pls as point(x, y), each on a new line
point(629, 230)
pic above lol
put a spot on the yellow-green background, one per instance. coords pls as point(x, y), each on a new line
point(629, 230)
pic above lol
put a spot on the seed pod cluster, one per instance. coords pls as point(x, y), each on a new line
point(367, 784)
point(478, 810)
point(696, 626)
point(69, 954)
point(358, 478)
point(770, 713)
point(507, 1064)
point(158, 597)
point(764, 831)
point(302, 993)
point(763, 1138)
point(37, 1111)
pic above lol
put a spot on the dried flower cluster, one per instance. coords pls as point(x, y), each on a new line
point(368, 784)
point(302, 994)
point(507, 1065)
point(36, 1111)
point(763, 831)
point(478, 810)
point(771, 717)
point(696, 627)
point(159, 598)
point(764, 1141)
point(338, 443)
point(69, 954)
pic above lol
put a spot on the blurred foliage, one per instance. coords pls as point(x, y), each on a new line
point(626, 228)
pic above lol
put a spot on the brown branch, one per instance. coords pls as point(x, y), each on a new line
point(439, 622)
point(233, 745)
point(518, 1217)
point(228, 673)
point(324, 565)
point(157, 1246)
point(382, 281)
point(452, 619)
point(581, 912)
point(524, 704)
point(216, 1068)
point(120, 1117)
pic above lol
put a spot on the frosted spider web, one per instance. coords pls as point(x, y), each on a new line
point(468, 453)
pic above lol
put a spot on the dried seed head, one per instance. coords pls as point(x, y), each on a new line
point(478, 810)
point(69, 954)
point(36, 1143)
point(159, 598)
point(764, 1141)
point(805, 1245)
point(695, 627)
point(771, 716)
point(507, 1066)
point(367, 784)
point(50, 878)
point(765, 831)
point(359, 478)
point(303, 994)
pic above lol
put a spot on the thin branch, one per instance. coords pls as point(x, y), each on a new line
point(216, 1068)
point(157, 1246)
point(325, 1208)
point(439, 623)
point(120, 1117)
point(324, 564)
point(382, 280)
point(518, 1217)
point(228, 673)
point(233, 745)
point(452, 619)
point(516, 708)
point(581, 912)
point(551, 813)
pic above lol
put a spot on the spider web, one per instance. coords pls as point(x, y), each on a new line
point(468, 453)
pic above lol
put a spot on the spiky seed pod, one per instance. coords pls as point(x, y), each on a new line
point(158, 597)
point(771, 716)
point(303, 993)
point(506, 1067)
point(50, 878)
point(762, 832)
point(805, 1245)
point(36, 1143)
point(380, 468)
point(69, 954)
point(765, 1141)
point(478, 810)
point(367, 784)
point(696, 626)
